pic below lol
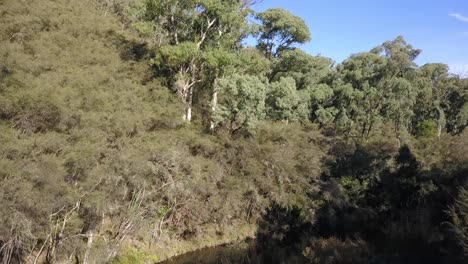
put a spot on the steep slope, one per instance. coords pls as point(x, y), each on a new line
point(95, 158)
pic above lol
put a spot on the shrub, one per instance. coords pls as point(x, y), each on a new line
point(134, 256)
point(459, 214)
point(36, 113)
point(335, 251)
point(427, 129)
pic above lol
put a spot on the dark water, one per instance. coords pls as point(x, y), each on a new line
point(247, 252)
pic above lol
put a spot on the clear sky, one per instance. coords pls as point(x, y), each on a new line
point(340, 28)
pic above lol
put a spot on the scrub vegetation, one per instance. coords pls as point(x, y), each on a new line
point(133, 130)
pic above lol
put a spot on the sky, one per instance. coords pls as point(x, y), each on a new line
point(340, 28)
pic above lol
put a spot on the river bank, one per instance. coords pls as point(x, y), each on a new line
point(168, 247)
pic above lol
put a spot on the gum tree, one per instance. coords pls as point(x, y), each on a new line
point(279, 31)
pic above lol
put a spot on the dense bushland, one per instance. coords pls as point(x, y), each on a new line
point(128, 128)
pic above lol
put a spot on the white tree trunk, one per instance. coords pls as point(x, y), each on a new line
point(188, 114)
point(439, 130)
point(440, 122)
point(88, 248)
point(189, 99)
point(214, 104)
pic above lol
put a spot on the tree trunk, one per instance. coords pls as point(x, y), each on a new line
point(440, 122)
point(7, 251)
point(50, 255)
point(88, 248)
point(188, 111)
point(439, 130)
point(397, 133)
point(214, 103)
point(185, 91)
point(369, 129)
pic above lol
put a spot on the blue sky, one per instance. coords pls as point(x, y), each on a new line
point(340, 28)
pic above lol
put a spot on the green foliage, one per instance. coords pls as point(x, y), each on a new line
point(363, 99)
point(242, 102)
point(325, 116)
point(92, 144)
point(134, 256)
point(459, 214)
point(306, 70)
point(193, 30)
point(177, 55)
point(355, 189)
point(399, 101)
point(427, 129)
point(285, 103)
point(252, 62)
point(280, 30)
point(401, 56)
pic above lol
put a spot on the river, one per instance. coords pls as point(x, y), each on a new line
point(247, 252)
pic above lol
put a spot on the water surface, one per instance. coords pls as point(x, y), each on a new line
point(247, 252)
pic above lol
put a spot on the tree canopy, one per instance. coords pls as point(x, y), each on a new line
point(280, 30)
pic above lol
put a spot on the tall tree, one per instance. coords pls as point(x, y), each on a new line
point(313, 76)
point(241, 102)
point(401, 56)
point(280, 30)
point(305, 69)
point(398, 82)
point(436, 77)
point(285, 103)
point(363, 72)
point(322, 109)
point(457, 112)
point(399, 100)
point(459, 216)
point(194, 27)
point(221, 63)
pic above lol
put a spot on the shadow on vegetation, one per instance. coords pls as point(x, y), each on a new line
point(398, 213)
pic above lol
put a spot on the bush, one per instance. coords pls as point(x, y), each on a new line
point(335, 251)
point(459, 214)
point(36, 113)
point(427, 129)
point(134, 256)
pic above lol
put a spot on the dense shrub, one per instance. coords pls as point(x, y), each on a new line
point(333, 250)
point(95, 156)
point(459, 215)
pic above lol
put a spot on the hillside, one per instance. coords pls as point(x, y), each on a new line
point(121, 143)
point(89, 144)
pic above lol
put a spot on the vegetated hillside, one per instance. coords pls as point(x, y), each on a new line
point(89, 147)
point(131, 131)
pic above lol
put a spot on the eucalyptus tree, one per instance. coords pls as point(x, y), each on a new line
point(458, 213)
point(241, 102)
point(457, 113)
point(322, 109)
point(279, 31)
point(346, 104)
point(364, 98)
point(400, 55)
point(305, 69)
point(194, 28)
point(239, 88)
point(313, 76)
point(436, 78)
point(221, 63)
point(252, 62)
point(398, 82)
point(400, 97)
point(285, 103)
